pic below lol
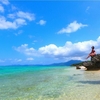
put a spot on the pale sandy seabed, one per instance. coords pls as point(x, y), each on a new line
point(52, 84)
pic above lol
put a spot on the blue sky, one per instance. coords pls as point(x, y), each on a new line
point(45, 32)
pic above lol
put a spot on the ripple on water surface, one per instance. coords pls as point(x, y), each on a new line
point(49, 83)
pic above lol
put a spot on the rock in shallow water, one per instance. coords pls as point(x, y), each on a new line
point(93, 64)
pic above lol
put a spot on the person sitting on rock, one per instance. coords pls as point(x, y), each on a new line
point(92, 53)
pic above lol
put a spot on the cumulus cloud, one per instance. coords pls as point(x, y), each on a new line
point(1, 8)
point(15, 18)
point(27, 51)
point(69, 51)
point(72, 27)
point(26, 15)
point(4, 24)
point(12, 16)
point(23, 15)
point(6, 2)
point(18, 22)
point(42, 22)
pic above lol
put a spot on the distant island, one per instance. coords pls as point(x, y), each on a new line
point(77, 64)
point(68, 63)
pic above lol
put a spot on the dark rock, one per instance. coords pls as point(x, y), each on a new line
point(78, 67)
point(93, 64)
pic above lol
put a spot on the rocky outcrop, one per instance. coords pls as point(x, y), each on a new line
point(93, 64)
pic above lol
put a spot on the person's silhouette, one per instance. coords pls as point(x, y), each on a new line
point(92, 53)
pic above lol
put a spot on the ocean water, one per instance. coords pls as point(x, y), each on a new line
point(48, 83)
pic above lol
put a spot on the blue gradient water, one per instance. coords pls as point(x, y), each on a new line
point(48, 83)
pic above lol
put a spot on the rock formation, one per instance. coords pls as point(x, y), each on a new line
point(93, 64)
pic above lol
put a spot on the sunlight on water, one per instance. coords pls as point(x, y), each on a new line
point(48, 83)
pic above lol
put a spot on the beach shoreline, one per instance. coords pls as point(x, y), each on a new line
point(49, 83)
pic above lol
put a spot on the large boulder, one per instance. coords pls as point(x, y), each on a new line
point(95, 58)
point(93, 64)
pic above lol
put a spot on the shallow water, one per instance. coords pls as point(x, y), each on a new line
point(48, 83)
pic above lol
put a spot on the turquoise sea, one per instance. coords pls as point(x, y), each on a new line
point(48, 83)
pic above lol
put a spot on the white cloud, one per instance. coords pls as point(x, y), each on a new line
point(50, 49)
point(30, 59)
point(27, 51)
point(69, 51)
point(12, 16)
point(6, 2)
point(20, 22)
point(26, 15)
point(42, 22)
point(19, 19)
point(72, 27)
point(4, 24)
point(15, 18)
point(1, 8)
point(22, 15)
